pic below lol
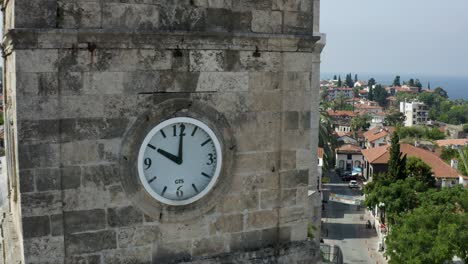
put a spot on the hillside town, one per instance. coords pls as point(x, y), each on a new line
point(382, 141)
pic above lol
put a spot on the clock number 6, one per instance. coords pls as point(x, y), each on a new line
point(147, 163)
point(211, 159)
point(179, 192)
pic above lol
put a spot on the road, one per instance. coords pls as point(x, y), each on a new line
point(345, 226)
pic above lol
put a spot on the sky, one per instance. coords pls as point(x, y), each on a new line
point(427, 37)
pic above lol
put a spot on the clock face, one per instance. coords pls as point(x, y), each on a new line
point(179, 161)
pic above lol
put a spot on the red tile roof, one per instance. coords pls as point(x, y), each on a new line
point(381, 155)
point(378, 133)
point(452, 142)
point(348, 148)
point(341, 113)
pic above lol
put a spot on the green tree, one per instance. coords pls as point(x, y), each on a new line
point(441, 92)
point(327, 140)
point(394, 118)
point(417, 83)
point(340, 84)
point(433, 233)
point(360, 123)
point(371, 82)
point(370, 96)
point(349, 81)
point(355, 78)
point(429, 85)
point(422, 172)
point(334, 77)
point(397, 161)
point(396, 81)
point(380, 95)
point(411, 82)
point(356, 91)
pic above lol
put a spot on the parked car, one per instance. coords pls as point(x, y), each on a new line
point(349, 178)
point(353, 184)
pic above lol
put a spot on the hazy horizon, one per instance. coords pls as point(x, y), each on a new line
point(418, 37)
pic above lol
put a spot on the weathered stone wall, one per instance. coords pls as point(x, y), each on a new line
point(79, 73)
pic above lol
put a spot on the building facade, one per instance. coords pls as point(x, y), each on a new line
point(86, 80)
point(416, 113)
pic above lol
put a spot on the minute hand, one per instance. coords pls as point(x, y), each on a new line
point(181, 144)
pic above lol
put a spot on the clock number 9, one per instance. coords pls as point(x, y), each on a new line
point(179, 192)
point(211, 159)
point(147, 163)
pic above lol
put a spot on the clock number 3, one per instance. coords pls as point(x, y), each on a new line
point(147, 163)
point(179, 192)
point(210, 159)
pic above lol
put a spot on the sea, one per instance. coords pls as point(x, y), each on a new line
point(456, 87)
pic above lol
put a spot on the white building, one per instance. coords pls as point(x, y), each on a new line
point(349, 157)
point(416, 113)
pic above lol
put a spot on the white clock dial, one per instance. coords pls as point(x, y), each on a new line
point(179, 161)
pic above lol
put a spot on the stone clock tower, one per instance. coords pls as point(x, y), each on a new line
point(158, 131)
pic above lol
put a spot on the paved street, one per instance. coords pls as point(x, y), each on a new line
point(345, 226)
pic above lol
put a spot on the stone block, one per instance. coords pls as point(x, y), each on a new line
point(291, 121)
point(152, 60)
point(288, 160)
point(141, 82)
point(48, 179)
point(246, 5)
point(227, 224)
point(71, 177)
point(288, 5)
point(44, 250)
point(85, 198)
point(182, 231)
point(265, 62)
point(90, 242)
point(45, 203)
point(54, 41)
point(104, 83)
point(40, 84)
point(221, 19)
point(100, 175)
point(264, 81)
point(27, 181)
point(140, 255)
point(297, 81)
point(306, 120)
point(82, 221)
point(297, 62)
point(35, 60)
point(124, 216)
point(36, 226)
point(172, 252)
point(36, 14)
point(294, 178)
point(56, 224)
point(130, 16)
point(298, 22)
point(303, 160)
point(254, 240)
point(91, 128)
point(207, 60)
point(137, 236)
point(223, 82)
point(267, 21)
point(208, 246)
point(262, 219)
point(81, 14)
point(178, 17)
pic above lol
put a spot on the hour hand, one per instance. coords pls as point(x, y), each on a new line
point(169, 156)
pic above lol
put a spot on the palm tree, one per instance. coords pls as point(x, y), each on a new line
point(327, 140)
